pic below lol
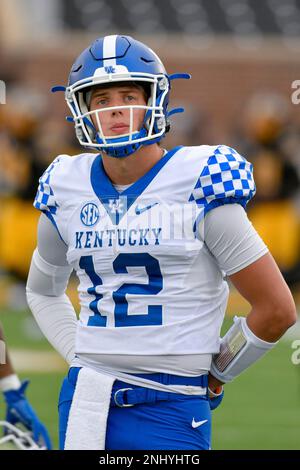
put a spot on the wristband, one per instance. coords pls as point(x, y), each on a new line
point(10, 382)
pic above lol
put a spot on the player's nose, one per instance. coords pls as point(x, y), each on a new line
point(116, 102)
point(117, 111)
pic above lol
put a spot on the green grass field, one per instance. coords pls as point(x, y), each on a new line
point(261, 409)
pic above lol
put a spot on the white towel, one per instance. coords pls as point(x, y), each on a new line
point(87, 421)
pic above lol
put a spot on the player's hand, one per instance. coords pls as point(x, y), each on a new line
point(215, 396)
point(19, 410)
point(215, 392)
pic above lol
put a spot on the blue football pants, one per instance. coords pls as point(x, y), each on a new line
point(181, 423)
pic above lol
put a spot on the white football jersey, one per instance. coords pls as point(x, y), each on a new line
point(148, 285)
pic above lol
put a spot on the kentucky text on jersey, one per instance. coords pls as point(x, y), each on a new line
point(123, 237)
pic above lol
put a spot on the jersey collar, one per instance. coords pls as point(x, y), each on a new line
point(115, 203)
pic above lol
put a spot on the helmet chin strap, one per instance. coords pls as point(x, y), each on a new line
point(124, 150)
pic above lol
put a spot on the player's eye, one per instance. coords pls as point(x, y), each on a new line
point(102, 101)
point(130, 98)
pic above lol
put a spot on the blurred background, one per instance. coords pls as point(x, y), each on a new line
point(244, 61)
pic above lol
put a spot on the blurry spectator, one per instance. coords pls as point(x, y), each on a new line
point(28, 141)
point(194, 128)
point(270, 142)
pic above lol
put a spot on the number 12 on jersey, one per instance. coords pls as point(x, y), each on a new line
point(153, 315)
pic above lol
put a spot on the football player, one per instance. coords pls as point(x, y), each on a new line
point(151, 234)
point(19, 412)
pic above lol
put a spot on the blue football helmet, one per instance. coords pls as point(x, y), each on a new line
point(114, 59)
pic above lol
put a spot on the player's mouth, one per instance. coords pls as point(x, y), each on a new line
point(120, 128)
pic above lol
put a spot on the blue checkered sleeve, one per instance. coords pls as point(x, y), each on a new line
point(45, 198)
point(227, 178)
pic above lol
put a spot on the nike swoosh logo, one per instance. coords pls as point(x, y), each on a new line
point(196, 424)
point(140, 210)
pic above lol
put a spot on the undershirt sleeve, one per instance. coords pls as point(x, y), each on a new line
point(45, 290)
point(50, 246)
point(231, 238)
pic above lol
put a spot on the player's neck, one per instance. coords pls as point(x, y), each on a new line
point(129, 169)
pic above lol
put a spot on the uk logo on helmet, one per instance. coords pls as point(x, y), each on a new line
point(110, 69)
point(89, 214)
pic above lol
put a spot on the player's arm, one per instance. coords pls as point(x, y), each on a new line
point(273, 312)
point(241, 254)
point(47, 281)
point(223, 190)
point(273, 308)
point(49, 270)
